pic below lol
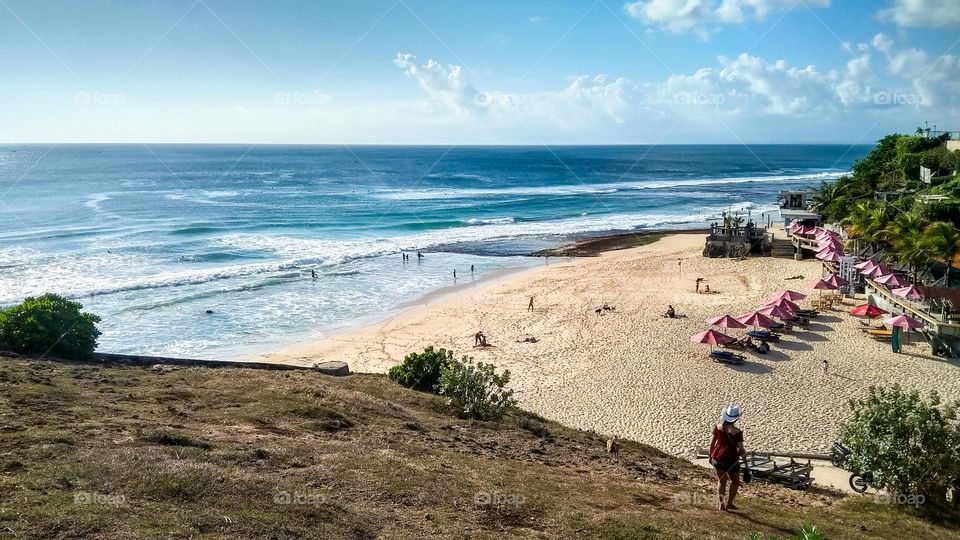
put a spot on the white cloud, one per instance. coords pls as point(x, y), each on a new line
point(699, 16)
point(924, 13)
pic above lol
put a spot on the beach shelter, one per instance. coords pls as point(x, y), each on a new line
point(776, 311)
point(898, 322)
point(863, 264)
point(836, 280)
point(756, 319)
point(726, 321)
point(793, 296)
point(909, 292)
point(711, 337)
point(783, 303)
point(878, 271)
point(892, 280)
point(867, 310)
point(830, 256)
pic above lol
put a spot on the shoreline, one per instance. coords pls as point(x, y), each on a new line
point(632, 373)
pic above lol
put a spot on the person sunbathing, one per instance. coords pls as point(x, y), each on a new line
point(671, 313)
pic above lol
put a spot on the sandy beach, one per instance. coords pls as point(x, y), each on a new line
point(636, 374)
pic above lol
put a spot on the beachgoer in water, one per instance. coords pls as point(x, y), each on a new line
point(726, 453)
point(313, 274)
point(671, 313)
point(471, 268)
point(454, 273)
point(419, 255)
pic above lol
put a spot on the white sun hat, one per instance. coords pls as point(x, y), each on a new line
point(730, 413)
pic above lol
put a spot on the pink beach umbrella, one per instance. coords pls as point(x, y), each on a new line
point(866, 266)
point(903, 321)
point(827, 251)
point(892, 280)
point(726, 321)
point(836, 246)
point(909, 292)
point(879, 270)
point(793, 296)
point(822, 285)
point(783, 303)
point(863, 264)
point(830, 256)
point(755, 319)
point(711, 337)
point(776, 311)
point(836, 280)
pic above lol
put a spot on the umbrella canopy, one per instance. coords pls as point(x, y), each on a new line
point(867, 310)
point(836, 280)
point(821, 284)
point(726, 321)
point(783, 303)
point(830, 256)
point(877, 271)
point(909, 292)
point(711, 337)
point(776, 311)
point(903, 321)
point(863, 264)
point(892, 280)
point(828, 249)
point(793, 296)
point(755, 318)
point(794, 226)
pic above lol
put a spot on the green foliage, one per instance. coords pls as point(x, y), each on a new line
point(807, 532)
point(49, 324)
point(909, 444)
point(421, 371)
point(476, 390)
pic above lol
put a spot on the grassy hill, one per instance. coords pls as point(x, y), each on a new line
point(92, 451)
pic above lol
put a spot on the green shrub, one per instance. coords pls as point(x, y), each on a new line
point(421, 371)
point(49, 324)
point(908, 443)
point(807, 532)
point(475, 390)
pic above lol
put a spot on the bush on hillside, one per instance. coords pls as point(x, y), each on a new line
point(421, 371)
point(49, 324)
point(476, 390)
point(909, 444)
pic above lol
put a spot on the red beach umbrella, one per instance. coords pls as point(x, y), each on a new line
point(711, 337)
point(783, 303)
point(793, 296)
point(756, 319)
point(909, 292)
point(726, 321)
point(904, 321)
point(776, 311)
point(868, 310)
point(892, 280)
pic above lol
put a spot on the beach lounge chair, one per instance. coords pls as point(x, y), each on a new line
point(727, 357)
point(764, 334)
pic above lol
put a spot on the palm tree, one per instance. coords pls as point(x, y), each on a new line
point(867, 223)
point(942, 240)
point(909, 247)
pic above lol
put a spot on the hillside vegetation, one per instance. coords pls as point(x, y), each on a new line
point(93, 451)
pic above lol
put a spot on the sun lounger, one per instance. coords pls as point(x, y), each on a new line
point(727, 357)
point(764, 334)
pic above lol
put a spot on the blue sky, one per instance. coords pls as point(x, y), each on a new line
point(492, 72)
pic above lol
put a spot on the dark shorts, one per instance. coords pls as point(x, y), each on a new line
point(728, 467)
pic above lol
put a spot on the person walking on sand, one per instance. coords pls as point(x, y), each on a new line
point(530, 304)
point(826, 365)
point(726, 454)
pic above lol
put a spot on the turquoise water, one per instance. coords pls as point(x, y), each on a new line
point(152, 237)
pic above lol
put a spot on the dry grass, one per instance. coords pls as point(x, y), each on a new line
point(92, 451)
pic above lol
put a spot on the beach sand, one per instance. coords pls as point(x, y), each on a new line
point(636, 374)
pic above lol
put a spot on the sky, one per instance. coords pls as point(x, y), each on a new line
point(466, 72)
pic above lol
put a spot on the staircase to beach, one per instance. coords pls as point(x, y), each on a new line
point(781, 247)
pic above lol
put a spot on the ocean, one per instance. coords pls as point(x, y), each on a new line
point(208, 250)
